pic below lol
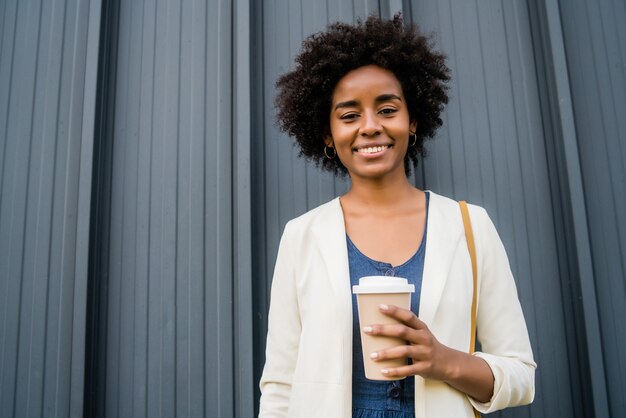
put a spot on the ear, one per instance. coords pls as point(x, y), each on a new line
point(413, 126)
point(328, 140)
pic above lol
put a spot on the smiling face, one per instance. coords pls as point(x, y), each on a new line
point(369, 123)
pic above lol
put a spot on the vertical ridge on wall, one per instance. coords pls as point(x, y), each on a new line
point(99, 236)
point(258, 119)
point(47, 99)
point(242, 228)
point(83, 227)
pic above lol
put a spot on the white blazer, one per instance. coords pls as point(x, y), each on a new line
point(308, 369)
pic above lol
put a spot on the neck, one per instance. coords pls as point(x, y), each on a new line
point(381, 193)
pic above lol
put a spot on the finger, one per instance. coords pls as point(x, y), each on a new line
point(401, 331)
point(404, 315)
point(422, 368)
point(403, 371)
point(414, 352)
point(410, 335)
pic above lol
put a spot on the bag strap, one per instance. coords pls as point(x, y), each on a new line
point(469, 237)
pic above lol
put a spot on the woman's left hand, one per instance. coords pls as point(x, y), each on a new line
point(430, 358)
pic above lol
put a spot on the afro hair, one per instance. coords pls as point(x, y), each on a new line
point(305, 94)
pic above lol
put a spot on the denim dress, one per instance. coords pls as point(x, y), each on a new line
point(372, 398)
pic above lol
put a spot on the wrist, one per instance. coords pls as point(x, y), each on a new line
point(453, 365)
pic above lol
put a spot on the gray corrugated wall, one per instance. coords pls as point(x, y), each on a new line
point(48, 66)
point(595, 42)
point(189, 202)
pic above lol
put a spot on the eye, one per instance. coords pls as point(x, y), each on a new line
point(388, 111)
point(349, 116)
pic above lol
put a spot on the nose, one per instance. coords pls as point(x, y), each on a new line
point(370, 125)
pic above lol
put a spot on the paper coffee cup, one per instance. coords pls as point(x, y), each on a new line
point(371, 292)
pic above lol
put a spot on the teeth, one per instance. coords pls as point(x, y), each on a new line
point(371, 150)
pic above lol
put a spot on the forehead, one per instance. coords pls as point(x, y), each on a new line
point(369, 80)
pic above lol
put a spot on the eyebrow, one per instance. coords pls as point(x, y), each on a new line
point(381, 98)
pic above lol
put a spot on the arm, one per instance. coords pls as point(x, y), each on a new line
point(283, 335)
point(501, 327)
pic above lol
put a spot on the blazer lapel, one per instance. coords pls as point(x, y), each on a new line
point(330, 234)
point(443, 237)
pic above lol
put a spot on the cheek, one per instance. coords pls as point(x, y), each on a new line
point(404, 144)
point(342, 134)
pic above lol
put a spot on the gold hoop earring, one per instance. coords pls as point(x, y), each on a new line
point(414, 135)
point(326, 152)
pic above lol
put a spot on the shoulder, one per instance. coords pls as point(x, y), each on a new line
point(325, 213)
point(450, 210)
point(445, 217)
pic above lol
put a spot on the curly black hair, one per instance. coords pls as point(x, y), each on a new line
point(305, 94)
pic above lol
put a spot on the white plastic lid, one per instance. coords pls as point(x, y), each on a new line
point(382, 284)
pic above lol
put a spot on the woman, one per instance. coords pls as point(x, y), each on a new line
point(361, 101)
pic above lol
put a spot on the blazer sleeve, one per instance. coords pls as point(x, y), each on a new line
point(283, 335)
point(501, 328)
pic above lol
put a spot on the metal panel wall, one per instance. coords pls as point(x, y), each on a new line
point(595, 41)
point(181, 224)
point(48, 65)
point(168, 325)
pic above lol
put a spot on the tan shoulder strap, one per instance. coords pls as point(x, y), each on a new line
point(469, 236)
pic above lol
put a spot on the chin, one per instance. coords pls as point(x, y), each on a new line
point(375, 173)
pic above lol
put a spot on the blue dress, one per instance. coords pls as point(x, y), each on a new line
point(371, 398)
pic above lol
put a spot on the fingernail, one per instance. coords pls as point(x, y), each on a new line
point(384, 371)
point(384, 307)
point(367, 329)
point(374, 355)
